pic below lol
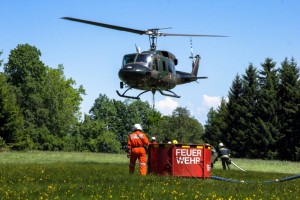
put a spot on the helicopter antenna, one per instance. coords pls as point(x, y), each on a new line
point(138, 50)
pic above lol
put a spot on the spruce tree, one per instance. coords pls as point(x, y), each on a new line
point(248, 112)
point(216, 125)
point(267, 120)
point(289, 110)
point(234, 137)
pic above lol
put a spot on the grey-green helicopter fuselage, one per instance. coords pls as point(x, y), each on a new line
point(152, 70)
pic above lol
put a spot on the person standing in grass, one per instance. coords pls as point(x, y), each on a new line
point(224, 154)
point(136, 147)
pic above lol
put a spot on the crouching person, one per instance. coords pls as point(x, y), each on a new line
point(224, 154)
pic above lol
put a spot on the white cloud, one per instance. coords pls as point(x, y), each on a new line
point(199, 111)
point(211, 101)
point(166, 106)
point(206, 103)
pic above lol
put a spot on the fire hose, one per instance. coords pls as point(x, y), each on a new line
point(268, 181)
point(236, 166)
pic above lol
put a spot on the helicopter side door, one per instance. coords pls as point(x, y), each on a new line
point(166, 72)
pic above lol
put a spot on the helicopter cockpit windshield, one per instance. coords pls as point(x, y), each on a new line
point(144, 59)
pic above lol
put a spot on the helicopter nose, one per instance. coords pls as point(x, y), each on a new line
point(133, 72)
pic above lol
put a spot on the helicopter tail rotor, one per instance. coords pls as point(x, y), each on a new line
point(196, 64)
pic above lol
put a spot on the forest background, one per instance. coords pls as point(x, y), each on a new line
point(40, 110)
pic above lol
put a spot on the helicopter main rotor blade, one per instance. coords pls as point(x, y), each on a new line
point(190, 35)
point(153, 32)
point(120, 28)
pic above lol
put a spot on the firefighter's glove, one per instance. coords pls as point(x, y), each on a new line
point(128, 153)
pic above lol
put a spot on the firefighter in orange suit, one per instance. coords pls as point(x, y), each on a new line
point(137, 144)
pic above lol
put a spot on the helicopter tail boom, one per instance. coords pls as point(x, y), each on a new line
point(184, 77)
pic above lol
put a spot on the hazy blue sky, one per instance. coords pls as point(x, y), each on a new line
point(92, 55)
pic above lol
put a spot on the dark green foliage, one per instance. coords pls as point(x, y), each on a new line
point(97, 137)
point(24, 67)
point(47, 101)
point(262, 118)
point(267, 106)
point(249, 114)
point(39, 109)
point(123, 115)
point(11, 120)
point(180, 126)
point(215, 125)
point(289, 111)
point(234, 136)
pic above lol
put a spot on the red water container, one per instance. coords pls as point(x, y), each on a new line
point(180, 160)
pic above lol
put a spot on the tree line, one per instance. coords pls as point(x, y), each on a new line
point(40, 110)
point(261, 117)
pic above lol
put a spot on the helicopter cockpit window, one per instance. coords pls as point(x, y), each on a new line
point(129, 58)
point(145, 59)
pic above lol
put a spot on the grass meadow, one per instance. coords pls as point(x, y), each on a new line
point(69, 175)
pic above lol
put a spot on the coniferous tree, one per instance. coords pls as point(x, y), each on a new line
point(234, 137)
point(249, 105)
point(267, 120)
point(212, 132)
point(289, 111)
point(263, 118)
point(215, 125)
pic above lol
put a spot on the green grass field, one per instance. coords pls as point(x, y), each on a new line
point(64, 175)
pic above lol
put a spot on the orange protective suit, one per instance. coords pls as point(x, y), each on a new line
point(136, 142)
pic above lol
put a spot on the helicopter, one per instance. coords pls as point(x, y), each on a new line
point(152, 70)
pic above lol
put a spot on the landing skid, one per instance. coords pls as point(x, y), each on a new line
point(170, 94)
point(131, 97)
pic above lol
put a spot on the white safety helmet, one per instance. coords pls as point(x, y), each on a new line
point(221, 145)
point(137, 127)
point(153, 138)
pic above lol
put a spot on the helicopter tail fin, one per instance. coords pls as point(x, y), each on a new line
point(196, 64)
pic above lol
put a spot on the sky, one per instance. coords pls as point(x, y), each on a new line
point(92, 55)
